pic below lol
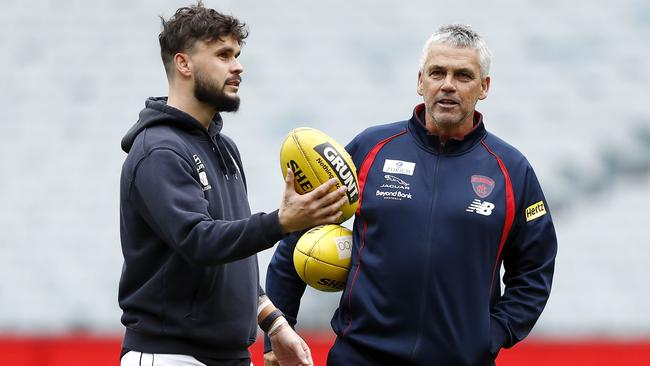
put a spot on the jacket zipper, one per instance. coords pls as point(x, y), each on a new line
point(427, 265)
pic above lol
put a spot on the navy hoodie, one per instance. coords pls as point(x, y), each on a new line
point(190, 280)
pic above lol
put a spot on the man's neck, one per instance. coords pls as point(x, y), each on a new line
point(444, 133)
point(188, 104)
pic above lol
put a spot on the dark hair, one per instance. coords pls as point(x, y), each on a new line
point(196, 23)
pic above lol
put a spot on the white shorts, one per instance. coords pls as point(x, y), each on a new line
point(133, 358)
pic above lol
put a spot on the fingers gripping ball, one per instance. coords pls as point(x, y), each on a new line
point(314, 158)
point(322, 257)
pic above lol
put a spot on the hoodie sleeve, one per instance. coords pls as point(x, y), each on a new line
point(529, 261)
point(172, 203)
point(283, 285)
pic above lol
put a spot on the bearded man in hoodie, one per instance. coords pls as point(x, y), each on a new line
point(189, 288)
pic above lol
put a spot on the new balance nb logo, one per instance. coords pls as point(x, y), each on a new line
point(481, 207)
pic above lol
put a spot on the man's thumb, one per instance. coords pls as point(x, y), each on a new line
point(308, 360)
point(288, 179)
point(302, 356)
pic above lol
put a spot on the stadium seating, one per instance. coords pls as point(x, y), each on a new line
point(569, 90)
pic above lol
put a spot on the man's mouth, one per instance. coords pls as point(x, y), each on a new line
point(233, 81)
point(447, 102)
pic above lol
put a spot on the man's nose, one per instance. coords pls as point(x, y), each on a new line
point(448, 84)
point(236, 67)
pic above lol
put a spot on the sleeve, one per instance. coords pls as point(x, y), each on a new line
point(260, 290)
point(283, 285)
point(529, 261)
point(353, 149)
point(171, 201)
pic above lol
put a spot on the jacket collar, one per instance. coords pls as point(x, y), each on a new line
point(452, 146)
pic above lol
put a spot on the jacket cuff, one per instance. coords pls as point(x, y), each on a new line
point(267, 344)
point(271, 226)
point(499, 337)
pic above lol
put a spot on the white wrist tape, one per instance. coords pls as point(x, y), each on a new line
point(264, 304)
point(276, 325)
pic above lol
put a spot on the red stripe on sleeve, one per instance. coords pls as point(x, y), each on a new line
point(510, 210)
point(367, 163)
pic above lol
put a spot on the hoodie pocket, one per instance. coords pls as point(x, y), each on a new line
point(197, 296)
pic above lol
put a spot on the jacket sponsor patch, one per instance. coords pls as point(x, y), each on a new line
point(203, 176)
point(535, 210)
point(392, 178)
point(395, 183)
point(393, 195)
point(398, 167)
point(482, 185)
point(481, 207)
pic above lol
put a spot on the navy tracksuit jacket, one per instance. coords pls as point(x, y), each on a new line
point(432, 230)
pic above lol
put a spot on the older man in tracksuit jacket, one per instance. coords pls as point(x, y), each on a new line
point(436, 221)
point(424, 282)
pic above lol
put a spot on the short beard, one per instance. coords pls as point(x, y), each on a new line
point(446, 123)
point(206, 92)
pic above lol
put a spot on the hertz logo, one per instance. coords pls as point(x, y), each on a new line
point(341, 169)
point(535, 210)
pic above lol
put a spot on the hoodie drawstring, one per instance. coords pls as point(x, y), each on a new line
point(225, 158)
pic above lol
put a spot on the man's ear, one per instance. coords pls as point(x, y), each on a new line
point(183, 64)
point(420, 81)
point(485, 87)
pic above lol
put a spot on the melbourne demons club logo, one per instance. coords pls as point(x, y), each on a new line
point(482, 185)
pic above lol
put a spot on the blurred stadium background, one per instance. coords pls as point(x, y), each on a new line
point(569, 89)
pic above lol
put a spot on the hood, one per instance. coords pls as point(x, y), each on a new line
point(157, 112)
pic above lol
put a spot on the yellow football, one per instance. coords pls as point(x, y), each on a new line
point(314, 158)
point(322, 257)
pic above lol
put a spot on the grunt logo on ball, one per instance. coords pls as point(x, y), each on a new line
point(341, 168)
